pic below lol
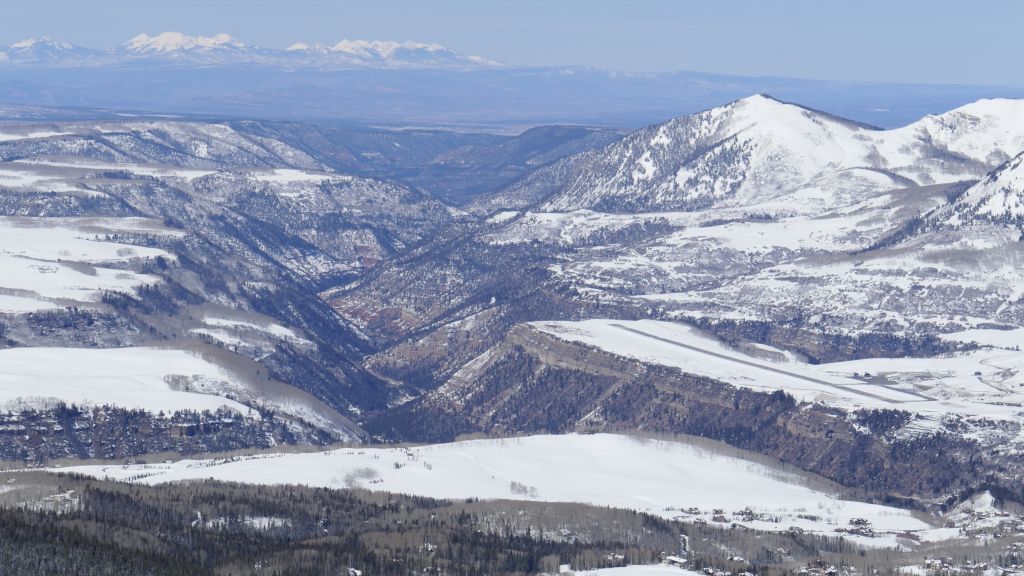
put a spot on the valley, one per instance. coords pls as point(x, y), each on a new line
point(760, 317)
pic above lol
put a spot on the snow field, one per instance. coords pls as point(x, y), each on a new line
point(141, 378)
point(12, 136)
point(658, 477)
point(56, 259)
point(21, 304)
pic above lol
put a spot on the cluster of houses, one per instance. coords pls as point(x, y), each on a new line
point(718, 515)
point(948, 566)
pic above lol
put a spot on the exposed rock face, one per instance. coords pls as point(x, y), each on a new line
point(534, 382)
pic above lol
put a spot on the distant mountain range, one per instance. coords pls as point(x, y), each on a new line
point(413, 84)
point(175, 48)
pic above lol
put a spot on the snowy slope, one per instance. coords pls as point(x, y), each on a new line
point(46, 262)
point(140, 378)
point(981, 385)
point(165, 379)
point(654, 476)
point(933, 283)
point(790, 213)
point(145, 143)
point(759, 149)
point(244, 227)
point(56, 263)
point(989, 130)
point(998, 198)
point(27, 135)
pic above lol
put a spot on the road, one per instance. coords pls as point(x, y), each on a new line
point(852, 389)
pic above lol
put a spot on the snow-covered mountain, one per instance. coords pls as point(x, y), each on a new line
point(763, 211)
point(223, 49)
point(389, 54)
point(998, 198)
point(779, 230)
point(43, 51)
point(779, 157)
point(168, 42)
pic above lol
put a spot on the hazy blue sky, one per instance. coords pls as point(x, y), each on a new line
point(949, 41)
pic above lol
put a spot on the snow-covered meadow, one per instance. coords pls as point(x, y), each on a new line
point(150, 379)
point(51, 262)
point(665, 478)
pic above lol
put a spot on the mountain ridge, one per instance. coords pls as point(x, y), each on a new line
point(760, 150)
point(174, 41)
point(998, 198)
point(224, 49)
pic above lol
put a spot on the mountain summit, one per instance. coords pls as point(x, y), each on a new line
point(44, 43)
point(176, 41)
point(759, 151)
point(42, 51)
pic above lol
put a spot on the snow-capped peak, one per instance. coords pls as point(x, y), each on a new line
point(44, 50)
point(989, 129)
point(762, 99)
point(759, 150)
point(45, 41)
point(370, 49)
point(760, 109)
point(175, 41)
point(1002, 107)
point(388, 53)
point(309, 50)
point(384, 49)
point(765, 108)
point(748, 151)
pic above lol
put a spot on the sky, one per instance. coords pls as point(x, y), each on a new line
point(941, 41)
